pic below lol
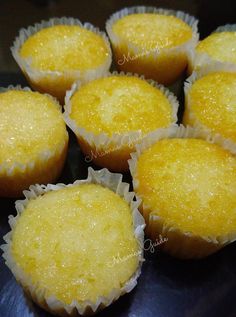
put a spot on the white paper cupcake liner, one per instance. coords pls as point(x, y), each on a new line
point(187, 47)
point(152, 217)
point(226, 28)
point(199, 61)
point(35, 74)
point(210, 68)
point(105, 178)
point(117, 141)
point(43, 157)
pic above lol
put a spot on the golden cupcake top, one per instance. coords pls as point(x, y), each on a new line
point(120, 104)
point(76, 243)
point(212, 103)
point(31, 126)
point(65, 48)
point(220, 46)
point(152, 30)
point(190, 184)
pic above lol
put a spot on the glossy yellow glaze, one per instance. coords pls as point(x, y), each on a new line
point(77, 243)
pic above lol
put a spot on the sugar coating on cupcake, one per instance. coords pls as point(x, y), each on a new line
point(31, 125)
point(34, 140)
point(190, 184)
point(211, 102)
point(153, 42)
point(220, 46)
point(65, 48)
point(151, 30)
point(120, 104)
point(76, 243)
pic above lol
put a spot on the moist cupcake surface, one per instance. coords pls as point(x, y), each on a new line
point(33, 140)
point(151, 41)
point(136, 27)
point(109, 115)
point(187, 187)
point(75, 248)
point(211, 103)
point(217, 48)
point(64, 48)
point(220, 46)
point(56, 53)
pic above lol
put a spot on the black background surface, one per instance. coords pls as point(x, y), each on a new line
point(167, 287)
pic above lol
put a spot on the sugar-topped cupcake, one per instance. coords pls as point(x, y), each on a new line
point(187, 182)
point(55, 53)
point(210, 103)
point(77, 248)
point(33, 140)
point(153, 42)
point(216, 49)
point(110, 115)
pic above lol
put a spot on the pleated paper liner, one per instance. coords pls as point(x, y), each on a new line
point(111, 151)
point(130, 58)
point(55, 82)
point(46, 168)
point(199, 61)
point(185, 245)
point(210, 68)
point(77, 308)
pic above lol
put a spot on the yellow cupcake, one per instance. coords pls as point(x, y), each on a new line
point(188, 189)
point(110, 115)
point(210, 103)
point(153, 42)
point(77, 248)
point(33, 140)
point(54, 54)
point(217, 48)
